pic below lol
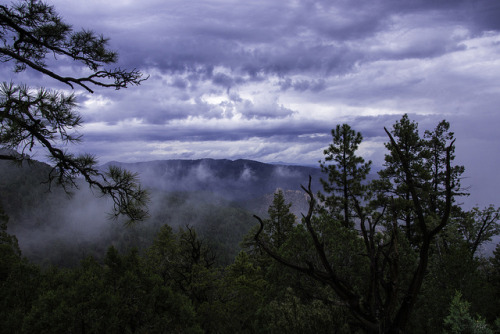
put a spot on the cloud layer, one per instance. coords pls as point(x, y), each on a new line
point(267, 80)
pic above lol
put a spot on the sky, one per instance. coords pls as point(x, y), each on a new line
point(268, 80)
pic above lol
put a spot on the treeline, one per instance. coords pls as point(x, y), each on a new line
point(176, 286)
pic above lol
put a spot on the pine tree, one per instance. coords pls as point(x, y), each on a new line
point(31, 31)
point(355, 243)
point(281, 220)
point(346, 172)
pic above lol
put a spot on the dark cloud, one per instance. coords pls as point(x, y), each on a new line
point(283, 39)
point(302, 85)
point(485, 14)
point(268, 80)
point(254, 35)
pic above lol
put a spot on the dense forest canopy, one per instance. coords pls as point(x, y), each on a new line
point(393, 253)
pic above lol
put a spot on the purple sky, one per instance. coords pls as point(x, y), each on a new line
point(267, 80)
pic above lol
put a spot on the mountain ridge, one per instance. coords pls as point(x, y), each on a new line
point(240, 179)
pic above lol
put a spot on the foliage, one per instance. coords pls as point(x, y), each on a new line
point(372, 243)
point(19, 281)
point(9, 248)
point(119, 296)
point(478, 226)
point(459, 320)
point(175, 286)
point(345, 171)
point(29, 32)
point(243, 292)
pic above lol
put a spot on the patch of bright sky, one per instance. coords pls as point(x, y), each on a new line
point(281, 151)
point(371, 149)
point(216, 99)
point(95, 102)
point(212, 148)
point(481, 54)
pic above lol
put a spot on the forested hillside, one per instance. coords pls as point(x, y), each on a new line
point(240, 181)
point(210, 195)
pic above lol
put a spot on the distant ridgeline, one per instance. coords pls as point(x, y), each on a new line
point(239, 180)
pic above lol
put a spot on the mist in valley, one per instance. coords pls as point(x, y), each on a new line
point(216, 197)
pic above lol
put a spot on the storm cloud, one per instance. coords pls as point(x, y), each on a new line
point(267, 80)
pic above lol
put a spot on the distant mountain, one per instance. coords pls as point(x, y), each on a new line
point(238, 180)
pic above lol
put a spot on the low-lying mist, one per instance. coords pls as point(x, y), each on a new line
point(216, 197)
point(239, 181)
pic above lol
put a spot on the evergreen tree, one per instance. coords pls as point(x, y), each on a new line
point(380, 275)
point(460, 321)
point(20, 281)
point(31, 30)
point(10, 253)
point(281, 220)
point(393, 183)
point(435, 151)
point(346, 172)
